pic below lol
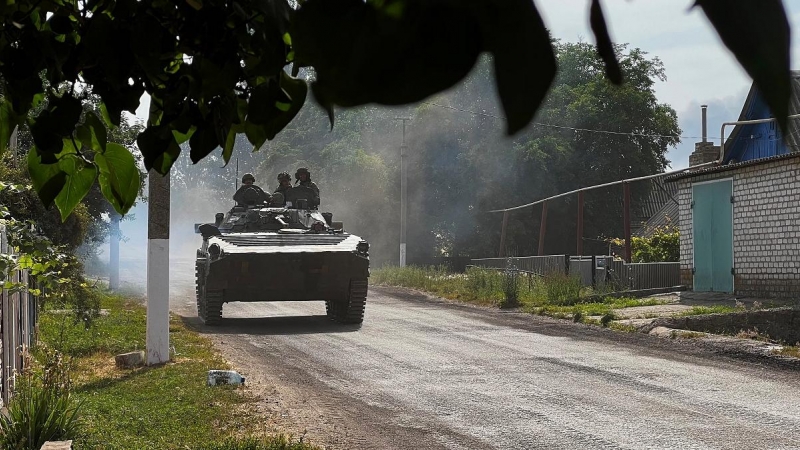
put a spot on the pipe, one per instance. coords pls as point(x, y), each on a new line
point(703, 108)
point(740, 122)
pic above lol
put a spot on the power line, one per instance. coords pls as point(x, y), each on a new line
point(562, 127)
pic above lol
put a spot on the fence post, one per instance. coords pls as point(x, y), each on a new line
point(594, 271)
point(503, 235)
point(543, 228)
point(566, 265)
point(626, 190)
point(580, 223)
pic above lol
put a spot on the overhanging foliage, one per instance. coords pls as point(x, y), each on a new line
point(215, 69)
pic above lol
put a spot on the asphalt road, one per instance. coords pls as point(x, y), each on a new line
point(423, 373)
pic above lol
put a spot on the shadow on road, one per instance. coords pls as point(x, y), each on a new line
point(280, 325)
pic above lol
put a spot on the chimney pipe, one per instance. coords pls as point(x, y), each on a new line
point(705, 123)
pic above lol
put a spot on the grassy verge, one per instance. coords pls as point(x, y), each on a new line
point(557, 295)
point(716, 309)
point(162, 407)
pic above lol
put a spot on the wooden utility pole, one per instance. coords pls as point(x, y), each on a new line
point(580, 223)
point(158, 269)
point(626, 192)
point(543, 229)
point(502, 252)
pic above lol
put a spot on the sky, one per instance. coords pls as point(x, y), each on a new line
point(700, 70)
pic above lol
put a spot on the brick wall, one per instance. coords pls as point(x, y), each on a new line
point(766, 227)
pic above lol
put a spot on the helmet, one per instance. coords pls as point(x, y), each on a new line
point(302, 170)
point(284, 176)
point(248, 176)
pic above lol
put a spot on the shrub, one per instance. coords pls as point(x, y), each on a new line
point(42, 408)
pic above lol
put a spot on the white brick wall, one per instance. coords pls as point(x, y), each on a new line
point(766, 227)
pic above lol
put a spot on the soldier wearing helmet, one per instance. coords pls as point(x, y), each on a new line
point(303, 176)
point(284, 183)
point(250, 194)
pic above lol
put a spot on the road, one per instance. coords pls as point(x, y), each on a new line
point(425, 373)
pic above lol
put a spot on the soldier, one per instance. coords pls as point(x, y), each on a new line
point(284, 183)
point(249, 193)
point(303, 176)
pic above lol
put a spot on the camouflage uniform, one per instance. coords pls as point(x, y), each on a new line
point(309, 184)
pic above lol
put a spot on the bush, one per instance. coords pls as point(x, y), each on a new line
point(42, 408)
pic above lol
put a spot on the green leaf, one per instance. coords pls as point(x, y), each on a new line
point(230, 142)
point(180, 138)
point(48, 179)
point(80, 178)
point(524, 61)
point(256, 134)
point(92, 133)
point(202, 142)
point(296, 91)
point(605, 48)
point(119, 177)
point(158, 146)
point(758, 35)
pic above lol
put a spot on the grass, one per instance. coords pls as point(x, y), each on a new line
point(793, 351)
point(686, 334)
point(555, 295)
point(160, 407)
point(716, 309)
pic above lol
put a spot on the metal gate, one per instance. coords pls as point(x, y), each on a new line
point(712, 235)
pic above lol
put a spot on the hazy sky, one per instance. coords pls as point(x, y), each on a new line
point(699, 69)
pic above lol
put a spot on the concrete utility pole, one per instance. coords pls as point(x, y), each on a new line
point(403, 193)
point(113, 260)
point(158, 269)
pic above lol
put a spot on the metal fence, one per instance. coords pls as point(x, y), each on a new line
point(540, 265)
point(596, 271)
point(17, 325)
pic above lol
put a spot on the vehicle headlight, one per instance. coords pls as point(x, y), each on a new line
point(214, 251)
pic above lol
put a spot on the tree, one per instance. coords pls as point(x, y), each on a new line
point(216, 69)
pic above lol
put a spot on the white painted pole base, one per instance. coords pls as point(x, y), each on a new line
point(157, 301)
point(403, 254)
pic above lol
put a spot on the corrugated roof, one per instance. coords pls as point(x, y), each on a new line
point(667, 215)
point(793, 134)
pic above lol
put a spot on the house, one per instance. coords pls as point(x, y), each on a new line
point(740, 220)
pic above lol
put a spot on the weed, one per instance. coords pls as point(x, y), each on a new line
point(753, 334)
point(627, 328)
point(577, 317)
point(793, 351)
point(510, 289)
point(606, 319)
point(717, 309)
point(688, 334)
point(42, 408)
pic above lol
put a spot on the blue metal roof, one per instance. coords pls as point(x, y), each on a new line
point(763, 140)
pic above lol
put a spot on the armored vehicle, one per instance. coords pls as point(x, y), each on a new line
point(284, 250)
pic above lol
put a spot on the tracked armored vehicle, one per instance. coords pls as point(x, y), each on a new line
point(265, 252)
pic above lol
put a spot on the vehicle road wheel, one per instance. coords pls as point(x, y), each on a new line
point(351, 311)
point(199, 272)
point(330, 309)
point(212, 307)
